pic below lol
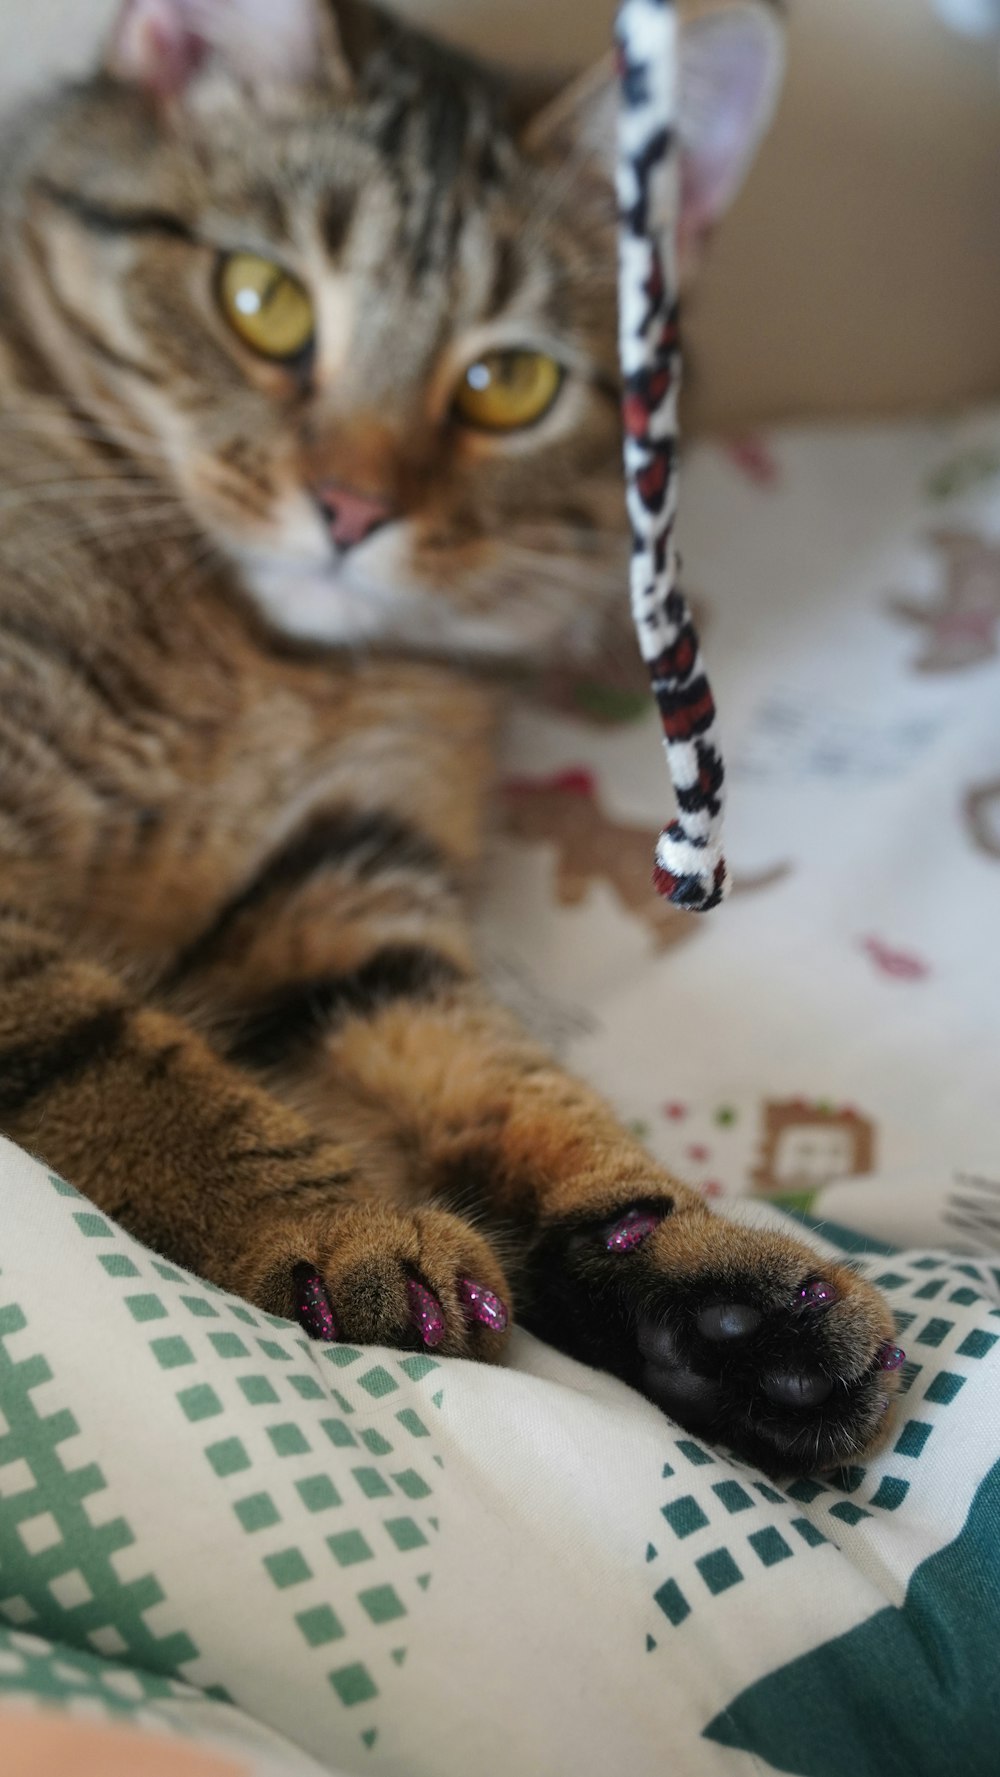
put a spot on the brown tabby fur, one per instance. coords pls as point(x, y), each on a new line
point(238, 1003)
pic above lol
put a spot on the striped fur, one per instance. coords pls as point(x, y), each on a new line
point(238, 996)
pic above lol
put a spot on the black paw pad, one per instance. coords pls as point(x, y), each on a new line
point(759, 1368)
point(797, 1389)
point(667, 1377)
point(728, 1320)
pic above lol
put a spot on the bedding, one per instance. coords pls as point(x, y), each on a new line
point(839, 1018)
point(310, 1558)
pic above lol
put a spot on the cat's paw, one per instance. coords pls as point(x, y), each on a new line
point(372, 1275)
point(745, 1336)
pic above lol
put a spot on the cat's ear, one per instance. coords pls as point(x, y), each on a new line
point(731, 67)
point(166, 47)
point(580, 124)
point(731, 62)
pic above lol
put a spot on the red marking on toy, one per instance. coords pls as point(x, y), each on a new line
point(652, 482)
point(643, 401)
point(901, 965)
point(675, 1112)
point(690, 718)
point(635, 414)
point(698, 1151)
point(676, 662)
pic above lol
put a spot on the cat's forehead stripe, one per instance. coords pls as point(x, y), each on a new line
point(507, 274)
point(336, 216)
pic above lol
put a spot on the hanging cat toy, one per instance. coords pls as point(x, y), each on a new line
point(690, 869)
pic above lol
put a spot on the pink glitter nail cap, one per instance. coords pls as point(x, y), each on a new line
point(482, 1305)
point(636, 1225)
point(815, 1293)
point(890, 1357)
point(426, 1313)
point(312, 1306)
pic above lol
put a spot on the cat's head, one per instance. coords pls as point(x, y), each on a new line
point(368, 318)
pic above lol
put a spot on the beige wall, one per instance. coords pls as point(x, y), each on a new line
point(860, 270)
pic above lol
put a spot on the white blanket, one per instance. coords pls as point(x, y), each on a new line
point(840, 1016)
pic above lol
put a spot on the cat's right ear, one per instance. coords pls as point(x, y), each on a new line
point(731, 62)
point(169, 48)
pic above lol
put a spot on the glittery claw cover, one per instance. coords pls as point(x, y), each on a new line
point(635, 1226)
point(426, 1313)
point(483, 1306)
point(816, 1293)
point(312, 1305)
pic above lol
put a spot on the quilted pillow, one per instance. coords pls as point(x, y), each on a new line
point(399, 1564)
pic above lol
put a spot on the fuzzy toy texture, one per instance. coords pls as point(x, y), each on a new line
point(690, 869)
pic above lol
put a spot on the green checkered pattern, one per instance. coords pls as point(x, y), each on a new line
point(277, 1417)
point(85, 1684)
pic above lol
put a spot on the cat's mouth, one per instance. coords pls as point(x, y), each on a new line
point(369, 596)
point(342, 568)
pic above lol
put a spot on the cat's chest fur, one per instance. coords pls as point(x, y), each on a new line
point(168, 745)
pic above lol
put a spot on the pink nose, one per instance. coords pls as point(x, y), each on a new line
point(352, 516)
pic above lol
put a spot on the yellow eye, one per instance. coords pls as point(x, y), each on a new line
point(266, 306)
point(506, 391)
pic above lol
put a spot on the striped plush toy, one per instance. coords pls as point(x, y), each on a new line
point(690, 869)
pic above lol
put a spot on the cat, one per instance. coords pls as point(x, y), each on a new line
point(309, 419)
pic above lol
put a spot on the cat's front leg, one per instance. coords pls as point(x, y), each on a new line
point(202, 1164)
point(746, 1336)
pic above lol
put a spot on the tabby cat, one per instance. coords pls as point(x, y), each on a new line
point(309, 419)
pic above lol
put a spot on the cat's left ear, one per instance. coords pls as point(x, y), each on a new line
point(731, 63)
point(172, 48)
